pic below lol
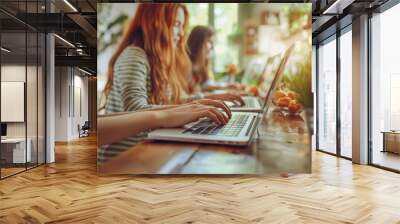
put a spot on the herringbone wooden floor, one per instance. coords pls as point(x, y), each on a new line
point(70, 191)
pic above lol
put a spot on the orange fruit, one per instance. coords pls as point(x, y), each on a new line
point(254, 90)
point(278, 94)
point(284, 101)
point(293, 106)
point(293, 95)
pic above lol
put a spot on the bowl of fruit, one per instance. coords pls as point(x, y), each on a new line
point(287, 101)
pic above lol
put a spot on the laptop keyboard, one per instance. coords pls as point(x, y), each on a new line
point(208, 127)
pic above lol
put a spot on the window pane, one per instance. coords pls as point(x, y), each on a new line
point(346, 94)
point(226, 25)
point(327, 97)
point(385, 88)
point(198, 14)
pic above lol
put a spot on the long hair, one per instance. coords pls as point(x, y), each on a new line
point(196, 46)
point(152, 30)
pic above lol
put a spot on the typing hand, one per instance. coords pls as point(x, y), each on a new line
point(187, 113)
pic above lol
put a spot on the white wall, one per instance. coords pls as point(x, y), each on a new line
point(12, 73)
point(80, 100)
point(33, 127)
point(61, 103)
point(71, 94)
point(16, 73)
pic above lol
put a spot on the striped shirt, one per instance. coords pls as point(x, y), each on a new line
point(131, 91)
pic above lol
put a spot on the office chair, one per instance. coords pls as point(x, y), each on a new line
point(84, 130)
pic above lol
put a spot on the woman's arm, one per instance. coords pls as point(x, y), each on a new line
point(114, 128)
point(118, 127)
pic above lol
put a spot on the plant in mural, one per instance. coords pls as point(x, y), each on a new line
point(109, 30)
point(300, 82)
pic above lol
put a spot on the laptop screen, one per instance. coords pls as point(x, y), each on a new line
point(253, 70)
point(268, 74)
point(277, 79)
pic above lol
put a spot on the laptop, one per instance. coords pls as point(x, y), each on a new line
point(238, 131)
point(252, 103)
point(254, 71)
point(265, 80)
point(251, 76)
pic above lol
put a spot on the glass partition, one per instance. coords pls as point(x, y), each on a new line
point(31, 98)
point(14, 152)
point(22, 90)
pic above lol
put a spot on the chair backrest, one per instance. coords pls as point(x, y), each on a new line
point(86, 125)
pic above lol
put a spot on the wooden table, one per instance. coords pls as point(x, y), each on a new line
point(282, 145)
point(13, 151)
point(391, 141)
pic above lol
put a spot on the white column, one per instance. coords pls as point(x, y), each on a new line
point(50, 100)
point(360, 90)
point(50, 92)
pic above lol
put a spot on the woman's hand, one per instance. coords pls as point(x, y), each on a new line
point(187, 113)
point(215, 103)
point(234, 98)
point(115, 127)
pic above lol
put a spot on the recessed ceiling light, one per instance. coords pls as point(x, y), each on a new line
point(5, 50)
point(337, 7)
point(84, 71)
point(70, 5)
point(65, 41)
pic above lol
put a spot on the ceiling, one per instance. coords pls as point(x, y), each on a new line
point(331, 15)
point(76, 22)
point(72, 20)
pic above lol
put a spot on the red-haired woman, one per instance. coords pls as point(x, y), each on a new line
point(150, 67)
